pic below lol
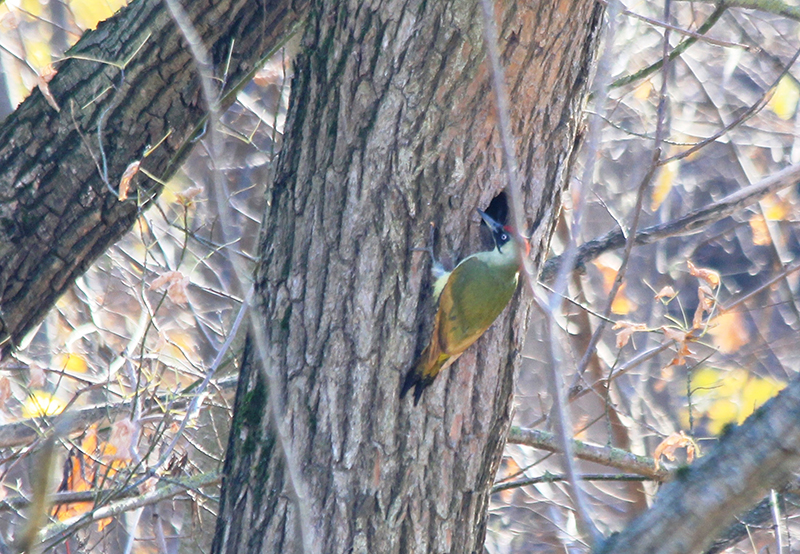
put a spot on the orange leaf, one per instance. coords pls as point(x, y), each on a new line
point(177, 284)
point(669, 445)
point(729, 332)
point(666, 292)
point(708, 275)
point(627, 329)
point(127, 176)
point(758, 226)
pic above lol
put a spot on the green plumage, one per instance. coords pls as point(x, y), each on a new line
point(469, 300)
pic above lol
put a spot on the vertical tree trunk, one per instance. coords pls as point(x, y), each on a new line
point(391, 126)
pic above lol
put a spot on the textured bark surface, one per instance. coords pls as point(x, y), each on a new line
point(57, 214)
point(392, 126)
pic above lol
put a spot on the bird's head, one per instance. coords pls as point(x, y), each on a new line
point(503, 235)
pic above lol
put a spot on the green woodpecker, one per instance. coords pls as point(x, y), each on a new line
point(470, 299)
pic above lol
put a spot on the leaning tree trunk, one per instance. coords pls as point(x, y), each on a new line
point(392, 126)
point(131, 83)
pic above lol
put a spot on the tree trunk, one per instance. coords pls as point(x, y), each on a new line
point(392, 125)
point(60, 170)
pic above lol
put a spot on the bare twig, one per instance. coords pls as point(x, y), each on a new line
point(550, 478)
point(770, 6)
point(26, 431)
point(676, 52)
point(296, 482)
point(603, 455)
point(695, 35)
point(53, 533)
point(689, 224)
point(750, 112)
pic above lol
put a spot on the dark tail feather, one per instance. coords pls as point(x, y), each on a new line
point(413, 379)
point(416, 379)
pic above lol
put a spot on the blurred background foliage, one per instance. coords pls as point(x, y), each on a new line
point(140, 329)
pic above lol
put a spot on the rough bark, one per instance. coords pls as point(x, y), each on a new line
point(57, 212)
point(391, 126)
point(705, 498)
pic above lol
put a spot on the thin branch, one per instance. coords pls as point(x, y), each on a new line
point(689, 224)
point(761, 454)
point(19, 502)
point(26, 431)
point(677, 51)
point(750, 112)
point(603, 455)
point(53, 532)
point(630, 241)
point(550, 478)
point(695, 35)
point(769, 6)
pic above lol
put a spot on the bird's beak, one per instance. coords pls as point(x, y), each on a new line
point(493, 225)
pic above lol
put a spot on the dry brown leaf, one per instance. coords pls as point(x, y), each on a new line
point(125, 181)
point(186, 198)
point(669, 445)
point(708, 275)
point(5, 391)
point(705, 305)
point(122, 435)
point(666, 292)
point(673, 334)
point(177, 285)
point(758, 227)
point(626, 331)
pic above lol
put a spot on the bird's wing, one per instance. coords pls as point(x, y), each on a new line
point(470, 301)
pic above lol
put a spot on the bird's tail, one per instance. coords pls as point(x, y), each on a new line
point(423, 373)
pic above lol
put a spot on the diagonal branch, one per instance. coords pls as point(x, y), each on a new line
point(689, 224)
point(126, 86)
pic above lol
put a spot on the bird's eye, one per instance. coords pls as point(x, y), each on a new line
point(504, 237)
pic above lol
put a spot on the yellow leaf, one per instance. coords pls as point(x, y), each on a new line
point(88, 13)
point(731, 383)
point(32, 7)
point(704, 379)
point(622, 304)
point(663, 186)
point(755, 392)
point(37, 53)
point(721, 413)
point(643, 91)
point(608, 265)
point(729, 332)
point(73, 363)
point(42, 404)
point(784, 100)
point(775, 208)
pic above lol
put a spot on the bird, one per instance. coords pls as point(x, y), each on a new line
point(469, 300)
